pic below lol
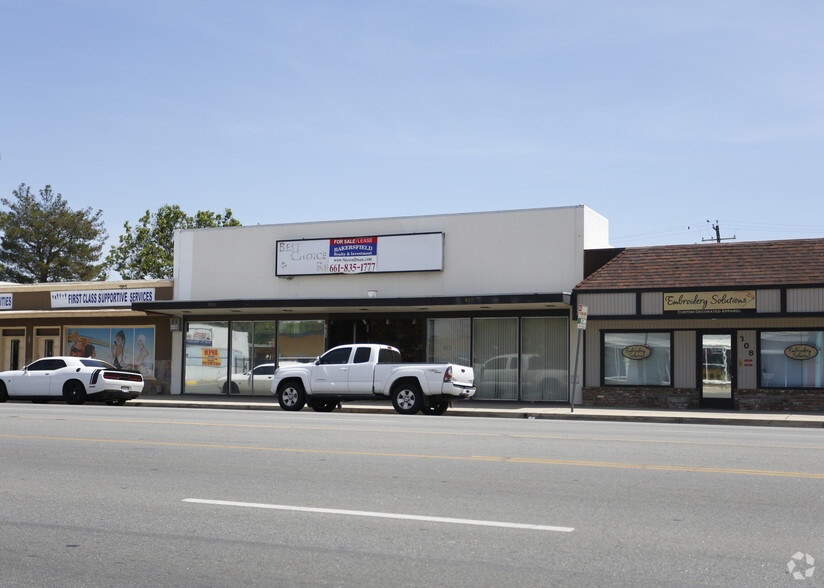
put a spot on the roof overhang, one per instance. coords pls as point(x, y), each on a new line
point(555, 301)
point(74, 313)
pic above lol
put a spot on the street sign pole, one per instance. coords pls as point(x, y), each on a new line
point(582, 325)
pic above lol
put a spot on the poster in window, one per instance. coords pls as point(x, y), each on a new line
point(127, 348)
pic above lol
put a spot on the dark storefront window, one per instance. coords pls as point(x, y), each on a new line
point(792, 359)
point(637, 359)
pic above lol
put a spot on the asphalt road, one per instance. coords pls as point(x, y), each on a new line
point(136, 496)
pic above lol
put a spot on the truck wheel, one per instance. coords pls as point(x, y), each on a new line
point(291, 396)
point(323, 405)
point(406, 398)
point(436, 407)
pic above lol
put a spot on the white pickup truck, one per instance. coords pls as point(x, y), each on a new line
point(368, 372)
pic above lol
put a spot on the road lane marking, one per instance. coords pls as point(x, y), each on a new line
point(427, 432)
point(384, 515)
point(660, 467)
point(485, 458)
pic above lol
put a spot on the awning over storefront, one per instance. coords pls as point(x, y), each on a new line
point(553, 301)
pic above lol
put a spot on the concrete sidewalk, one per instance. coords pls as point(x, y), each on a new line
point(481, 408)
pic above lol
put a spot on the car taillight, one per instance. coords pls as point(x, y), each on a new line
point(447, 375)
point(123, 376)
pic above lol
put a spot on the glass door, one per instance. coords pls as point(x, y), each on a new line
point(717, 370)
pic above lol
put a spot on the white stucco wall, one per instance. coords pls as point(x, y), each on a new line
point(508, 252)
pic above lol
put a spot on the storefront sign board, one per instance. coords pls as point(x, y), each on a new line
point(709, 302)
point(358, 255)
point(100, 298)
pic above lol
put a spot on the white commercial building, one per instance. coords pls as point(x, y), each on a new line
point(489, 289)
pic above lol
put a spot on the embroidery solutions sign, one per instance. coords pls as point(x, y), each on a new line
point(714, 302)
point(98, 298)
point(359, 255)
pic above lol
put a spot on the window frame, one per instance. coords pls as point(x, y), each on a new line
point(603, 357)
point(334, 353)
point(761, 364)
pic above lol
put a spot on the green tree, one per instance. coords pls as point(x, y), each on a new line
point(147, 250)
point(46, 241)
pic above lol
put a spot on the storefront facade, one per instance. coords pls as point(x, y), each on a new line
point(491, 290)
point(89, 319)
point(721, 325)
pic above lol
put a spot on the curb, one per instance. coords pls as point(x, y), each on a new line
point(815, 421)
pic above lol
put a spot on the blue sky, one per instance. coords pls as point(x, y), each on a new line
point(661, 116)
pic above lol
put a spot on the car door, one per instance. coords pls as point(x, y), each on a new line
point(361, 371)
point(36, 380)
point(329, 376)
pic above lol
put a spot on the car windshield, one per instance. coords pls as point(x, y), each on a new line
point(97, 363)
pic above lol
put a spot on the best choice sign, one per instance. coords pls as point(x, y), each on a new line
point(722, 301)
point(359, 255)
point(87, 298)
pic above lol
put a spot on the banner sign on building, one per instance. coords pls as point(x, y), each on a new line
point(97, 298)
point(726, 301)
point(6, 301)
point(357, 255)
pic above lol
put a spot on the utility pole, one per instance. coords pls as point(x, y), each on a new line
point(718, 238)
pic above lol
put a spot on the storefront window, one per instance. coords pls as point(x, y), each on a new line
point(240, 357)
point(637, 359)
point(300, 341)
point(207, 356)
point(448, 340)
point(129, 348)
point(792, 359)
point(544, 358)
point(253, 353)
point(495, 358)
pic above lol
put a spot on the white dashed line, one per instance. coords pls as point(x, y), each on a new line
point(383, 515)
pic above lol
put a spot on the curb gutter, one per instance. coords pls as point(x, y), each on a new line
point(803, 420)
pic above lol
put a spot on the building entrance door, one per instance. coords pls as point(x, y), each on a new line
point(716, 365)
point(46, 342)
point(12, 346)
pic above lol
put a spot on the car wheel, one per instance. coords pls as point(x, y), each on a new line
point(323, 405)
point(406, 398)
point(233, 389)
point(4, 394)
point(291, 395)
point(74, 392)
point(436, 407)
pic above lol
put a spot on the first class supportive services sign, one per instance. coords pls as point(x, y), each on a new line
point(87, 298)
point(417, 252)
